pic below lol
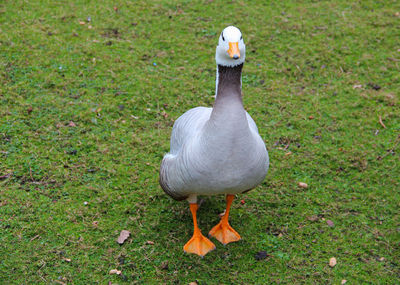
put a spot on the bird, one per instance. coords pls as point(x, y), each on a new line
point(216, 150)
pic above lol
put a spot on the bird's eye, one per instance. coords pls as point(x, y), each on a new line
point(241, 37)
point(222, 34)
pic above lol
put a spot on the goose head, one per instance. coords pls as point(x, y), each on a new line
point(231, 48)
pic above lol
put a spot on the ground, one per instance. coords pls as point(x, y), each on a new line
point(89, 93)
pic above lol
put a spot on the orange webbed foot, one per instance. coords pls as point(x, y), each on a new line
point(199, 245)
point(224, 233)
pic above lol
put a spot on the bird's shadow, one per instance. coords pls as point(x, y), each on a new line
point(177, 220)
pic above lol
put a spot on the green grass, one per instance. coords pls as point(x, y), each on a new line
point(126, 79)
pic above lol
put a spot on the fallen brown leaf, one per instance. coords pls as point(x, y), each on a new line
point(164, 265)
point(261, 255)
point(123, 236)
point(161, 54)
point(71, 124)
point(150, 242)
point(330, 223)
point(343, 281)
point(332, 262)
point(357, 86)
point(115, 271)
point(303, 185)
point(312, 218)
point(374, 86)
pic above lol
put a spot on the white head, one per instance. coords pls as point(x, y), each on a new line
point(231, 50)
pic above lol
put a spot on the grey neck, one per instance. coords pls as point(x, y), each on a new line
point(228, 105)
point(229, 81)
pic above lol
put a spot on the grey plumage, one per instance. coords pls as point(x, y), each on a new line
point(215, 150)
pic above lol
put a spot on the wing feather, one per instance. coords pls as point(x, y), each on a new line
point(187, 125)
point(185, 128)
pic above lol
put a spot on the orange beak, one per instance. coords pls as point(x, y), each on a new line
point(233, 50)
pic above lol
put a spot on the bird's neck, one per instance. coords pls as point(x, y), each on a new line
point(229, 81)
point(227, 127)
point(228, 103)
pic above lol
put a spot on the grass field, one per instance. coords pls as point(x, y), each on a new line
point(89, 92)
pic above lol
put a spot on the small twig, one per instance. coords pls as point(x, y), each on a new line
point(35, 237)
point(390, 150)
point(5, 176)
point(201, 201)
point(380, 122)
point(30, 173)
point(396, 144)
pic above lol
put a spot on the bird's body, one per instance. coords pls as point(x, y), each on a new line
point(216, 150)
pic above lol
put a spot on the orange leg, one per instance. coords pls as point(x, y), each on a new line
point(198, 244)
point(223, 231)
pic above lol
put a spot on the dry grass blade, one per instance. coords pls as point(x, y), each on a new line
point(381, 122)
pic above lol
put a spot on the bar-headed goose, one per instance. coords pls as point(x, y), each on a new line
point(216, 150)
